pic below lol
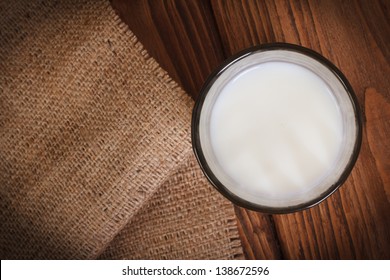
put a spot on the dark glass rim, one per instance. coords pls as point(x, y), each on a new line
point(198, 148)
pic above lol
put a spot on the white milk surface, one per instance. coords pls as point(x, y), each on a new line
point(276, 129)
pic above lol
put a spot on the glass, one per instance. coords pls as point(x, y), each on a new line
point(342, 93)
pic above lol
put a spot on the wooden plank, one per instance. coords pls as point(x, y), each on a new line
point(258, 235)
point(352, 223)
point(182, 36)
point(377, 109)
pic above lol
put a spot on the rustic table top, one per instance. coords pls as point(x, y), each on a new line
point(191, 38)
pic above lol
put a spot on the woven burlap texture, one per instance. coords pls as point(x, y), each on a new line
point(94, 140)
point(189, 226)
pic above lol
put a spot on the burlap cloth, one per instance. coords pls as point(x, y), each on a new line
point(95, 153)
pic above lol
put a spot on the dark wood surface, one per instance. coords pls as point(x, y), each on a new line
point(190, 38)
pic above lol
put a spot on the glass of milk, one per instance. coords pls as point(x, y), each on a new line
point(276, 128)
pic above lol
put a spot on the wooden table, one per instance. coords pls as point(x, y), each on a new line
point(190, 38)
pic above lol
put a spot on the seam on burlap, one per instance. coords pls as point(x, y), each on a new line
point(125, 244)
point(235, 242)
point(172, 171)
point(165, 78)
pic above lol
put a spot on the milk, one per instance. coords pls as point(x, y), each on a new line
point(276, 130)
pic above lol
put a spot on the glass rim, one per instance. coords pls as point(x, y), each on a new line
point(197, 147)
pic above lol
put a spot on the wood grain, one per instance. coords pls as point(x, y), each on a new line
point(378, 133)
point(258, 235)
point(190, 38)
